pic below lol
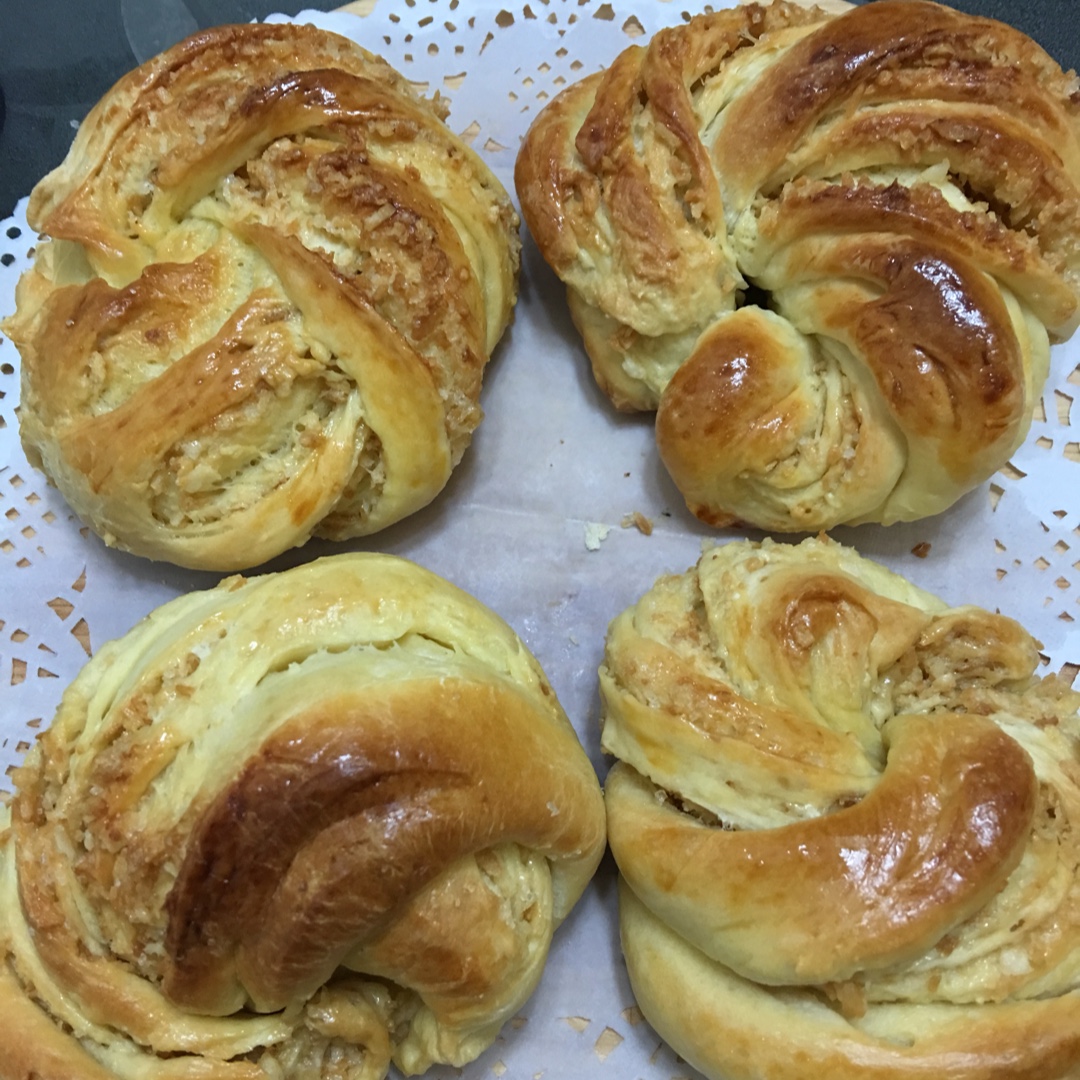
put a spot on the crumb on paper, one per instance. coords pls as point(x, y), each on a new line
point(573, 639)
point(595, 535)
point(632, 1015)
point(921, 550)
point(637, 520)
point(609, 1040)
point(578, 1023)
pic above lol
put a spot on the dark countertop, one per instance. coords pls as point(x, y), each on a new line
point(58, 57)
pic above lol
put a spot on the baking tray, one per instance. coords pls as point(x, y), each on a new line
point(538, 520)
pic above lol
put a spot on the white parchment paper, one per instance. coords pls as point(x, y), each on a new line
point(532, 522)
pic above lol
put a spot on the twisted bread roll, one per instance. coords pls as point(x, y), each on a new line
point(296, 826)
point(843, 817)
point(897, 185)
point(273, 281)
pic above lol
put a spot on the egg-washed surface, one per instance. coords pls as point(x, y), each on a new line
point(298, 825)
point(550, 458)
point(273, 281)
point(844, 816)
point(830, 250)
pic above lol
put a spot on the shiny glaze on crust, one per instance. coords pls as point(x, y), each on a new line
point(332, 813)
point(939, 834)
point(289, 168)
point(323, 833)
point(826, 71)
point(844, 816)
point(897, 169)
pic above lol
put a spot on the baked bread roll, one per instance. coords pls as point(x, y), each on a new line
point(830, 250)
point(844, 817)
point(297, 826)
point(272, 282)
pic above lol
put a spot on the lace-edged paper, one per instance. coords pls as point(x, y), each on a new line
point(548, 518)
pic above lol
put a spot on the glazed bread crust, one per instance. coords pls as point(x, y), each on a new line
point(272, 282)
point(843, 819)
point(301, 825)
point(831, 250)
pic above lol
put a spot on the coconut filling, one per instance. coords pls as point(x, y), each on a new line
point(368, 1016)
point(1017, 947)
point(480, 974)
point(385, 252)
point(451, 965)
point(260, 446)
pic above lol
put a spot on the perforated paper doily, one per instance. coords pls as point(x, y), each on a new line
point(550, 467)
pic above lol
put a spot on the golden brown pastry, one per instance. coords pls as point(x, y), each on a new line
point(830, 250)
point(295, 827)
point(273, 280)
point(846, 822)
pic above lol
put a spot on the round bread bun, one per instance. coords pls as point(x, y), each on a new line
point(296, 826)
point(830, 249)
point(272, 280)
point(843, 816)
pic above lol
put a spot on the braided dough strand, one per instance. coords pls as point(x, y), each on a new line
point(331, 815)
point(831, 251)
point(843, 815)
point(273, 280)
